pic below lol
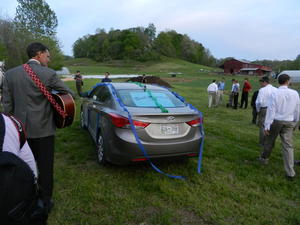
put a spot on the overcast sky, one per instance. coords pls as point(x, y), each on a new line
point(244, 29)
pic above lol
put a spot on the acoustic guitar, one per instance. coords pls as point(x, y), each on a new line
point(67, 103)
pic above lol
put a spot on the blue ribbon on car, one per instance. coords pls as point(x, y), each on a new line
point(138, 139)
point(200, 127)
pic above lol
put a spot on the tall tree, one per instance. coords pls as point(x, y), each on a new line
point(36, 17)
point(151, 31)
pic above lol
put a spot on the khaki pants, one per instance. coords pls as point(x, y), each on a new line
point(261, 119)
point(285, 131)
point(212, 97)
point(220, 94)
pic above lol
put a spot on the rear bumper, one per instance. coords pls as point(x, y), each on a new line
point(126, 150)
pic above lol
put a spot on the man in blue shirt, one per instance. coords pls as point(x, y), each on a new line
point(221, 88)
point(106, 79)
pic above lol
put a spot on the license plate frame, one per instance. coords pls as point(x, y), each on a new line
point(169, 129)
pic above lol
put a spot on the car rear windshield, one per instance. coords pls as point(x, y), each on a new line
point(141, 98)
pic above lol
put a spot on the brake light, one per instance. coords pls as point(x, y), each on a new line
point(192, 154)
point(195, 123)
point(140, 124)
point(138, 159)
point(123, 122)
point(118, 121)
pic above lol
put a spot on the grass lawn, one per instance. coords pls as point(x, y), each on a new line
point(233, 187)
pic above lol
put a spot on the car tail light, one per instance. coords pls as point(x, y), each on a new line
point(123, 122)
point(192, 154)
point(138, 159)
point(195, 123)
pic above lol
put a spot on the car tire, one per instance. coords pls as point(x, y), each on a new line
point(101, 150)
point(82, 125)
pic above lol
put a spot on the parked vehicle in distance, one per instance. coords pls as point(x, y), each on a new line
point(294, 75)
point(175, 133)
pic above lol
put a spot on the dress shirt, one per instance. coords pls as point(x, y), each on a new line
point(11, 144)
point(284, 106)
point(221, 86)
point(247, 86)
point(264, 96)
point(213, 87)
point(34, 60)
point(235, 88)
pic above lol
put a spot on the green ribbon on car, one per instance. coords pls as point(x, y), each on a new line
point(162, 108)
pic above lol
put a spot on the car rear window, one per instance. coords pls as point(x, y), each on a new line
point(140, 98)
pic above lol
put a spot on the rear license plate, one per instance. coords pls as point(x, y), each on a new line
point(170, 129)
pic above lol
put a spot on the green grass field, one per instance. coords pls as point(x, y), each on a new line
point(233, 187)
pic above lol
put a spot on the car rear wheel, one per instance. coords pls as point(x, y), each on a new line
point(101, 156)
point(82, 125)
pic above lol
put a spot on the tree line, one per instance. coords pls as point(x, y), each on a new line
point(141, 44)
point(34, 21)
point(278, 66)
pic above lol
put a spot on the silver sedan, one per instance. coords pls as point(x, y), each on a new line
point(165, 125)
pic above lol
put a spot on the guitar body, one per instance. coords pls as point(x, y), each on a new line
point(67, 103)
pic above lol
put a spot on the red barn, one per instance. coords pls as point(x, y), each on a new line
point(234, 66)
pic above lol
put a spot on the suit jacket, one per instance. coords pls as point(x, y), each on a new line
point(23, 99)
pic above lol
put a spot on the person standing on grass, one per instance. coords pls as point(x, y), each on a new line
point(246, 89)
point(230, 102)
point(261, 104)
point(212, 90)
point(79, 82)
point(106, 79)
point(281, 118)
point(23, 99)
point(220, 93)
point(254, 110)
point(235, 93)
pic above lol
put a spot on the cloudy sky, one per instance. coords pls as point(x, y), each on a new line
point(244, 29)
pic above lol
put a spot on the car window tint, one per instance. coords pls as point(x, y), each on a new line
point(140, 98)
point(103, 95)
point(95, 92)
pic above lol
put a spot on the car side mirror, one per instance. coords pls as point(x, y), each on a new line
point(84, 94)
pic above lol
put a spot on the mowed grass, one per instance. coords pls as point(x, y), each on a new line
point(233, 187)
point(161, 68)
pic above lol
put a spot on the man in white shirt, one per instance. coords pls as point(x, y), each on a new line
point(212, 90)
point(282, 118)
point(11, 143)
point(235, 93)
point(261, 103)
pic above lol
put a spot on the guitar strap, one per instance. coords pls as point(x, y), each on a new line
point(19, 127)
point(2, 132)
point(44, 90)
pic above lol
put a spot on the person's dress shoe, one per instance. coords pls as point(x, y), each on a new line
point(263, 160)
point(290, 178)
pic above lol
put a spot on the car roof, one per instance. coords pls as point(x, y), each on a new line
point(128, 85)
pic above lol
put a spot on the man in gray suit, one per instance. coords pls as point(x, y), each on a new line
point(23, 99)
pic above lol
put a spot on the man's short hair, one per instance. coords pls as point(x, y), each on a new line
point(78, 71)
point(283, 78)
point(35, 47)
point(214, 81)
point(265, 79)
